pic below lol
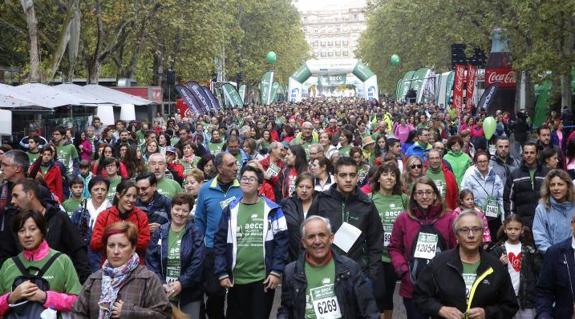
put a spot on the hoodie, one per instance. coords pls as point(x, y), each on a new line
point(552, 224)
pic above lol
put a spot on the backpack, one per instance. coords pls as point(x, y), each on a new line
point(428, 243)
point(24, 308)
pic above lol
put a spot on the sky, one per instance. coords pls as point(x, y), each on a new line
point(304, 5)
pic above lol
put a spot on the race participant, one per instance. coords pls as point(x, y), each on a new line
point(414, 170)
point(296, 163)
point(123, 287)
point(66, 152)
point(56, 286)
point(76, 196)
point(332, 285)
point(215, 194)
point(457, 159)
point(34, 148)
point(443, 179)
point(112, 167)
point(503, 163)
point(46, 169)
point(253, 230)
point(176, 254)
point(419, 234)
point(322, 174)
point(421, 146)
point(454, 283)
point(166, 186)
point(154, 204)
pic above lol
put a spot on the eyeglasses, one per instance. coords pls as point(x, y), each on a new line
point(248, 180)
point(465, 230)
point(424, 193)
point(414, 166)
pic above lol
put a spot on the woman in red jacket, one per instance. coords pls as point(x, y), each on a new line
point(47, 168)
point(123, 209)
point(418, 234)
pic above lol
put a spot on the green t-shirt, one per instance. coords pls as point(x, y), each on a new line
point(61, 275)
point(250, 264)
point(439, 180)
point(33, 156)
point(188, 166)
point(344, 150)
point(112, 190)
point(169, 187)
point(215, 148)
point(174, 266)
point(71, 205)
point(320, 291)
point(67, 153)
point(469, 274)
point(389, 207)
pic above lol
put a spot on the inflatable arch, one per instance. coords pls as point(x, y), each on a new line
point(331, 67)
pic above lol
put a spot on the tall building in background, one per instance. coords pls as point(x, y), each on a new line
point(333, 30)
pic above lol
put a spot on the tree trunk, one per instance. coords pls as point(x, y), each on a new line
point(74, 43)
point(28, 6)
point(130, 69)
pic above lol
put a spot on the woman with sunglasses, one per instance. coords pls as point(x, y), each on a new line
point(414, 169)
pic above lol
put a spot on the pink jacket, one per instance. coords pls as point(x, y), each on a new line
point(403, 237)
point(486, 233)
point(86, 153)
point(56, 300)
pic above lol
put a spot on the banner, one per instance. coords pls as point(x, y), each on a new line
point(198, 93)
point(189, 98)
point(487, 98)
point(242, 92)
point(331, 80)
point(458, 87)
point(471, 77)
point(266, 87)
point(503, 77)
point(232, 95)
point(213, 101)
point(275, 89)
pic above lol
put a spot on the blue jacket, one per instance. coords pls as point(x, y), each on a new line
point(191, 259)
point(209, 205)
point(275, 239)
point(418, 150)
point(552, 225)
point(555, 285)
point(483, 187)
point(158, 209)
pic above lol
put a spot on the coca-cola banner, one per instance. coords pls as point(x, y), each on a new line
point(458, 87)
point(502, 77)
point(471, 76)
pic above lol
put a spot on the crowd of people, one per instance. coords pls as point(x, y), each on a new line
point(333, 201)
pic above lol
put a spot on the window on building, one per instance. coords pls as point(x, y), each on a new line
point(337, 53)
point(323, 54)
point(345, 53)
point(330, 53)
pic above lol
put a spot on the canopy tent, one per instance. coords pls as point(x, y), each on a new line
point(8, 98)
point(48, 97)
point(79, 90)
point(114, 96)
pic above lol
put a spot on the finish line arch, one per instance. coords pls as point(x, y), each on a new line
point(331, 67)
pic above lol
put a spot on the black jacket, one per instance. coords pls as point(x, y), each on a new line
point(556, 282)
point(358, 210)
point(530, 266)
point(63, 236)
point(521, 195)
point(158, 209)
point(441, 284)
point(353, 292)
point(293, 212)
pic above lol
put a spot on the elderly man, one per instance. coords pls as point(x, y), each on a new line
point(166, 186)
point(307, 137)
point(310, 288)
point(466, 282)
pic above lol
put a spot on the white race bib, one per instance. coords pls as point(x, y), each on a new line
point(387, 235)
point(325, 303)
point(346, 236)
point(426, 246)
point(491, 208)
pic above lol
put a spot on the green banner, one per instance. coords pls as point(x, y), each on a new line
point(266, 87)
point(302, 74)
point(331, 80)
point(362, 72)
point(275, 89)
point(232, 95)
point(418, 79)
point(242, 92)
point(405, 83)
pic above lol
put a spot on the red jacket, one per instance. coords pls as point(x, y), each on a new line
point(403, 237)
point(52, 178)
point(112, 215)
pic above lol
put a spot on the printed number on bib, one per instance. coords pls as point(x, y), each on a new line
point(426, 246)
point(325, 303)
point(491, 208)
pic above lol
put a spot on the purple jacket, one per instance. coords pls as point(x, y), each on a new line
point(403, 237)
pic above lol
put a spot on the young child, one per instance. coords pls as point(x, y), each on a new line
point(515, 249)
point(86, 176)
point(76, 197)
point(467, 201)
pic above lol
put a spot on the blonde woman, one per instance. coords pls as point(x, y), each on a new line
point(414, 169)
point(553, 215)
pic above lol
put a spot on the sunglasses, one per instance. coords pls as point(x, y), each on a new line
point(414, 166)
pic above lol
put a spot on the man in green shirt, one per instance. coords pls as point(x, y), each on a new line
point(443, 179)
point(216, 142)
point(75, 200)
point(67, 153)
point(322, 296)
point(33, 149)
point(166, 186)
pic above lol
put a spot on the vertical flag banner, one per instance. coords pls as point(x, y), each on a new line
point(189, 99)
point(198, 93)
point(266, 88)
point(232, 95)
point(242, 92)
point(471, 77)
point(213, 101)
point(458, 87)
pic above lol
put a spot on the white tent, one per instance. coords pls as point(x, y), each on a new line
point(114, 96)
point(8, 98)
point(79, 91)
point(47, 96)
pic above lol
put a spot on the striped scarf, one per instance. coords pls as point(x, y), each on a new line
point(113, 280)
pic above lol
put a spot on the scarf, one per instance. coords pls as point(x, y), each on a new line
point(113, 279)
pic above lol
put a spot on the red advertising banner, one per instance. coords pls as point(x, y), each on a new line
point(471, 76)
point(458, 87)
point(503, 77)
